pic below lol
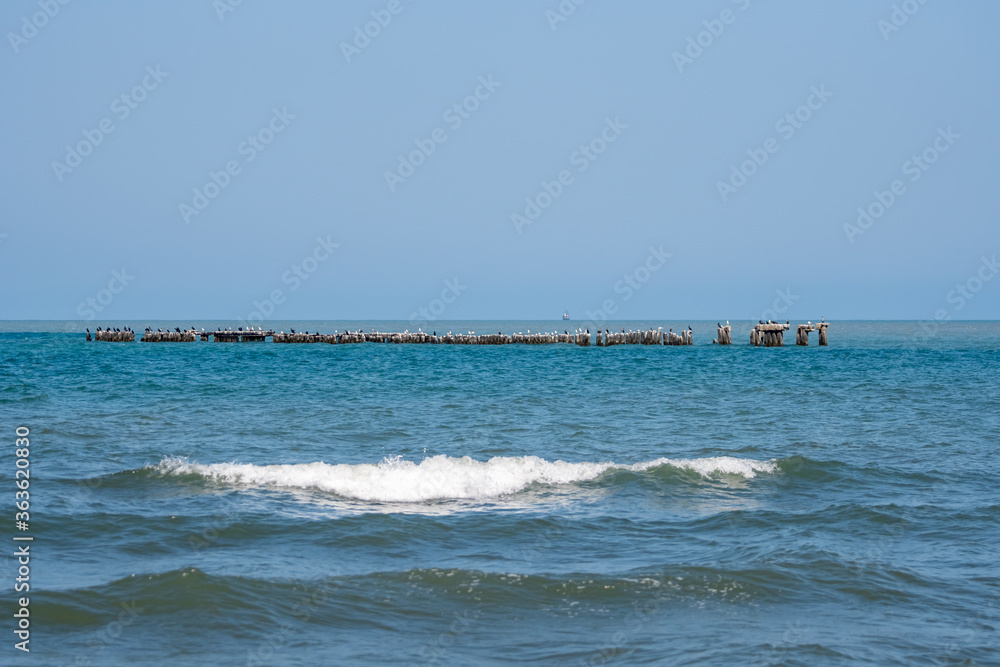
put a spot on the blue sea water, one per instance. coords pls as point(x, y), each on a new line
point(255, 503)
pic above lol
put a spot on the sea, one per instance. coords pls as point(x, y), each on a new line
point(254, 504)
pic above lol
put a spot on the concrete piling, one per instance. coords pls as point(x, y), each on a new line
point(821, 328)
point(803, 330)
point(769, 334)
point(802, 334)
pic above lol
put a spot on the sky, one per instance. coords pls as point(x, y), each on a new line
point(499, 160)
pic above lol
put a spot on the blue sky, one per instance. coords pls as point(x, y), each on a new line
point(363, 176)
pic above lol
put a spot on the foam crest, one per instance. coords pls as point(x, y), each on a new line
point(440, 477)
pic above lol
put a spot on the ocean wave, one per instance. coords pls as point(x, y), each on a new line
point(442, 477)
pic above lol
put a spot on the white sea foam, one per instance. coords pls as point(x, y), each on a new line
point(441, 477)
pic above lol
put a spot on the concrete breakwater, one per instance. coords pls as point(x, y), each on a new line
point(802, 333)
point(125, 335)
point(764, 334)
point(772, 334)
point(192, 335)
point(470, 338)
point(769, 334)
point(168, 337)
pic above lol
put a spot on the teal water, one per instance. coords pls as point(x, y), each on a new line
point(248, 504)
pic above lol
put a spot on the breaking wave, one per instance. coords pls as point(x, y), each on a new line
point(443, 477)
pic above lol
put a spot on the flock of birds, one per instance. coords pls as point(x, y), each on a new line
point(471, 333)
point(821, 319)
point(115, 329)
